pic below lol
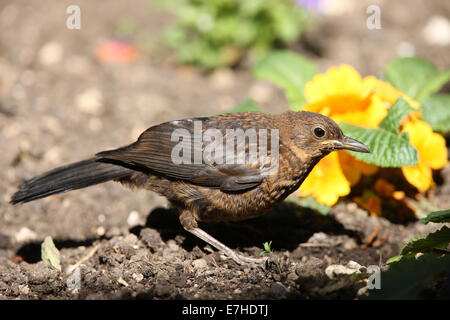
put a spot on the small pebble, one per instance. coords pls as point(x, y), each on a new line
point(100, 231)
point(90, 101)
point(199, 264)
point(349, 244)
point(131, 239)
point(53, 155)
point(336, 269)
point(354, 265)
point(319, 237)
point(292, 276)
point(133, 218)
point(122, 282)
point(24, 289)
point(25, 235)
point(437, 31)
point(51, 53)
point(279, 289)
point(137, 276)
point(172, 245)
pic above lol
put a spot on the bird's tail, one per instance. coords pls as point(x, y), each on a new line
point(70, 177)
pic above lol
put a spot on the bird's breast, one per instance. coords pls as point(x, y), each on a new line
point(223, 206)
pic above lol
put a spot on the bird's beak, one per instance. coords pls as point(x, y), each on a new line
point(353, 145)
point(348, 144)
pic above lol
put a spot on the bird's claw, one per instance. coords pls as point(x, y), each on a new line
point(248, 261)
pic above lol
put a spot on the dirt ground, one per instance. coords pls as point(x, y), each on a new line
point(59, 105)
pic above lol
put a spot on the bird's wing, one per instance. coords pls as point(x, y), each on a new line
point(158, 149)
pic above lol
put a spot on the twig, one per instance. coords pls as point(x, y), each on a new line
point(85, 258)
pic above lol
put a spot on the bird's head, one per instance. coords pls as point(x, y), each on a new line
point(318, 135)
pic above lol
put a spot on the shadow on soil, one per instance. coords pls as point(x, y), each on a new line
point(31, 251)
point(286, 225)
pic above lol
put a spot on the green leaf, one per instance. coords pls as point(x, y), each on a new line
point(437, 216)
point(416, 77)
point(253, 27)
point(407, 278)
point(387, 149)
point(309, 202)
point(248, 105)
point(436, 111)
point(396, 113)
point(436, 240)
point(408, 74)
point(267, 246)
point(433, 85)
point(288, 70)
point(50, 254)
point(394, 259)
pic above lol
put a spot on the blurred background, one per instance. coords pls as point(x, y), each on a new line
point(66, 94)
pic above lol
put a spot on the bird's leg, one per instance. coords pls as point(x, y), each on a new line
point(189, 223)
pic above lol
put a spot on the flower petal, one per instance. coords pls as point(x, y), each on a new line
point(430, 145)
point(419, 176)
point(369, 117)
point(353, 168)
point(337, 81)
point(432, 153)
point(326, 182)
point(343, 95)
point(390, 94)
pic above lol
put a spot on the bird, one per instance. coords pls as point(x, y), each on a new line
point(227, 167)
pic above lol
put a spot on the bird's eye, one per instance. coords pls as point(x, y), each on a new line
point(319, 132)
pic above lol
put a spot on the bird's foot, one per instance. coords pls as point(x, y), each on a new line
point(237, 257)
point(245, 260)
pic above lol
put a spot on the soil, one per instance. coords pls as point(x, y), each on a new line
point(129, 244)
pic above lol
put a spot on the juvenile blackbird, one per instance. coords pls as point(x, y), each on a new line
point(210, 177)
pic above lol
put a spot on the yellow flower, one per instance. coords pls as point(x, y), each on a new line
point(326, 182)
point(432, 153)
point(333, 176)
point(343, 95)
point(389, 94)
